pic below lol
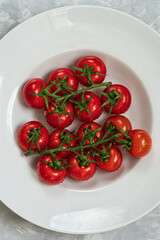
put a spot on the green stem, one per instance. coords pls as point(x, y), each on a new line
point(77, 92)
point(51, 151)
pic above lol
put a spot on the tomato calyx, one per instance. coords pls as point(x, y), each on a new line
point(83, 104)
point(60, 109)
point(61, 83)
point(83, 160)
point(87, 72)
point(112, 98)
point(127, 143)
point(33, 137)
point(90, 134)
point(104, 154)
point(111, 129)
point(44, 93)
point(65, 137)
point(57, 164)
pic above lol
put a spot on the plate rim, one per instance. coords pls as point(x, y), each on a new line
point(81, 6)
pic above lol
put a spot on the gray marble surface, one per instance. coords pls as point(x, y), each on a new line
point(13, 227)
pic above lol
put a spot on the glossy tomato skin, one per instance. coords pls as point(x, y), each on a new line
point(35, 86)
point(63, 73)
point(121, 122)
point(65, 119)
point(141, 143)
point(47, 174)
point(94, 106)
point(114, 161)
point(78, 172)
point(55, 141)
point(99, 67)
point(94, 126)
point(124, 101)
point(23, 136)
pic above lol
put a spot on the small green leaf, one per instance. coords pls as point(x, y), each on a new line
point(89, 99)
point(36, 94)
point(55, 111)
point(46, 101)
point(37, 142)
point(77, 68)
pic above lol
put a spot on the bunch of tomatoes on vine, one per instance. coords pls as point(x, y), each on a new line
point(80, 152)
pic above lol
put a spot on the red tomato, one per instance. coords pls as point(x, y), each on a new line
point(114, 161)
point(80, 172)
point(32, 130)
point(94, 126)
point(91, 67)
point(121, 122)
point(122, 103)
point(59, 115)
point(141, 143)
point(71, 83)
point(35, 86)
point(87, 106)
point(49, 172)
point(56, 138)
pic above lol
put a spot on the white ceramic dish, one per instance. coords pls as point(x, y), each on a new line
point(57, 38)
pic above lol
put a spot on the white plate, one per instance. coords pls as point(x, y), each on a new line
point(58, 38)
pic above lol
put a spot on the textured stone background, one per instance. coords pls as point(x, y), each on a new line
point(12, 227)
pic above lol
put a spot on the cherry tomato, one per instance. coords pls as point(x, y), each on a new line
point(87, 106)
point(33, 130)
point(80, 172)
point(56, 138)
point(71, 82)
point(59, 115)
point(93, 126)
point(141, 143)
point(91, 67)
point(121, 123)
point(123, 102)
point(113, 163)
point(50, 173)
point(35, 86)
